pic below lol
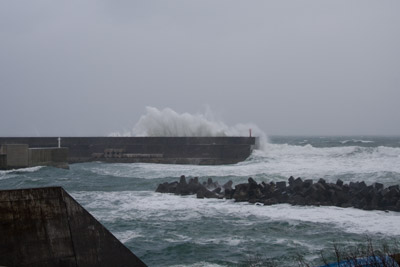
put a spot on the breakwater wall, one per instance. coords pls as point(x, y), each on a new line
point(295, 191)
point(47, 227)
point(176, 150)
point(13, 156)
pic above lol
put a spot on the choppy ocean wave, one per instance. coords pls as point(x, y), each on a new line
point(185, 231)
point(279, 161)
point(15, 172)
point(127, 205)
point(227, 232)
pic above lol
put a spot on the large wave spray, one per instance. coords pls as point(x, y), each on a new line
point(167, 122)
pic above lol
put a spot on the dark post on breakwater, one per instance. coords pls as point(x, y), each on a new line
point(172, 150)
point(47, 227)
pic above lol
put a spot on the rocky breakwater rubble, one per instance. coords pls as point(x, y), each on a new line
point(295, 191)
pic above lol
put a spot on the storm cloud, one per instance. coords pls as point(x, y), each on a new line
point(291, 67)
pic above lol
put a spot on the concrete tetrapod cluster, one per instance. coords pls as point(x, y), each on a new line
point(295, 192)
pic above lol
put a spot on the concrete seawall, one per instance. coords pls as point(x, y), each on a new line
point(14, 156)
point(47, 227)
point(179, 150)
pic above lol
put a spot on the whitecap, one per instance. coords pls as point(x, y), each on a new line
point(22, 170)
point(126, 236)
point(112, 206)
point(198, 264)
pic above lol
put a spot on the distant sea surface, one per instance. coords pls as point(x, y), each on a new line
point(169, 230)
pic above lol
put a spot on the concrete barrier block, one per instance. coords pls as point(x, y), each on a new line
point(47, 227)
point(17, 155)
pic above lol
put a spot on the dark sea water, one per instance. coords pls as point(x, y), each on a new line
point(169, 230)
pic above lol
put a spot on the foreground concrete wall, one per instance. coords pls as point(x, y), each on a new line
point(47, 227)
point(194, 150)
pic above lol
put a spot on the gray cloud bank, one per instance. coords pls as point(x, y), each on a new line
point(291, 67)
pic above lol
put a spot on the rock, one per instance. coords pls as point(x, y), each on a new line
point(378, 186)
point(270, 201)
point(217, 190)
point(362, 185)
point(398, 205)
point(281, 185)
point(229, 193)
point(291, 180)
point(205, 193)
point(319, 187)
point(254, 200)
point(227, 185)
point(335, 187)
point(297, 184)
point(216, 185)
point(194, 185)
point(391, 192)
point(342, 198)
point(162, 188)
point(255, 193)
point(394, 187)
point(346, 188)
point(282, 197)
point(209, 194)
point(241, 193)
point(172, 187)
point(251, 181)
point(353, 186)
point(183, 180)
point(297, 200)
point(307, 183)
point(212, 185)
point(299, 192)
point(200, 193)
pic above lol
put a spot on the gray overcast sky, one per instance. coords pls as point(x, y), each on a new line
point(291, 67)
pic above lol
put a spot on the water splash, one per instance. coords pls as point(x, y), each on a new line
point(167, 122)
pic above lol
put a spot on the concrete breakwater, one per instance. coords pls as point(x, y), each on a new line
point(47, 227)
point(295, 191)
point(14, 156)
point(174, 150)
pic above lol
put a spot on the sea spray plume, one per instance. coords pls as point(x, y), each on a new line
point(167, 122)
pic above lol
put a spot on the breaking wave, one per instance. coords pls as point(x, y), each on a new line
point(356, 141)
point(7, 174)
point(167, 122)
point(127, 205)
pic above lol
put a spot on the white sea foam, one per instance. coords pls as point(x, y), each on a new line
point(128, 205)
point(14, 172)
point(30, 169)
point(354, 163)
point(356, 141)
point(198, 264)
point(167, 122)
point(126, 236)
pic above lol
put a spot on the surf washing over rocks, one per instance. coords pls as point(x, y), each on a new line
point(173, 230)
